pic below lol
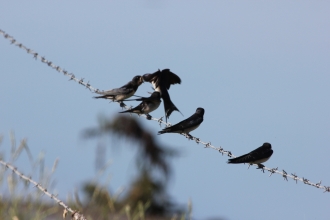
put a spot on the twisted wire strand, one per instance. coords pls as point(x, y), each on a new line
point(48, 62)
point(283, 173)
point(75, 214)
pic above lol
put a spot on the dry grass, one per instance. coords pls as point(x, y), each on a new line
point(20, 200)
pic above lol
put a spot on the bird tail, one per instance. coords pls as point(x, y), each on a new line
point(161, 132)
point(169, 108)
point(126, 111)
point(239, 159)
point(104, 97)
point(168, 104)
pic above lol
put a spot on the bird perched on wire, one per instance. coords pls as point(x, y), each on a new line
point(161, 81)
point(147, 105)
point(257, 156)
point(186, 125)
point(122, 93)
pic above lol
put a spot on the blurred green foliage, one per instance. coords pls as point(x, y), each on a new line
point(145, 198)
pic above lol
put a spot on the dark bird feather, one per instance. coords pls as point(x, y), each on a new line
point(257, 156)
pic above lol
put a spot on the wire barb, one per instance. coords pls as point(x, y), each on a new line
point(272, 171)
point(285, 175)
point(295, 177)
point(326, 189)
point(306, 181)
point(221, 150)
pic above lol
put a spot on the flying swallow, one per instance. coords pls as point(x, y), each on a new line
point(186, 125)
point(124, 92)
point(257, 156)
point(161, 81)
point(147, 105)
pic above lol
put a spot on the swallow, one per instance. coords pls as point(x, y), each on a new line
point(257, 156)
point(161, 81)
point(186, 125)
point(122, 93)
point(147, 105)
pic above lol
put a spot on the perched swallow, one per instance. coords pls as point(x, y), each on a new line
point(257, 156)
point(147, 105)
point(162, 81)
point(186, 125)
point(124, 92)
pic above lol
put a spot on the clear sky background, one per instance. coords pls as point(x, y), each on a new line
point(260, 69)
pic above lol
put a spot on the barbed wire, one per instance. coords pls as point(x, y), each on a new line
point(283, 173)
point(221, 150)
point(75, 215)
point(49, 63)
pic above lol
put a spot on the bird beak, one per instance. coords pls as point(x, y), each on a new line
point(141, 80)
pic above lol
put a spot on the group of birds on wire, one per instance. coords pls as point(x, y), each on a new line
point(161, 81)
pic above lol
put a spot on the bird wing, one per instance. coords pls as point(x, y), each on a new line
point(241, 159)
point(118, 91)
point(254, 155)
point(148, 99)
point(164, 78)
point(190, 122)
point(137, 109)
point(173, 79)
point(169, 78)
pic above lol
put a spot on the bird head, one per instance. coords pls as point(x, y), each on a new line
point(155, 95)
point(267, 145)
point(200, 111)
point(138, 80)
point(147, 77)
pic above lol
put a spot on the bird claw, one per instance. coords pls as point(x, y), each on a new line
point(189, 136)
point(122, 104)
point(149, 117)
point(261, 166)
point(160, 120)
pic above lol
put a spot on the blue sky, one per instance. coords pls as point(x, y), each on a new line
point(260, 69)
